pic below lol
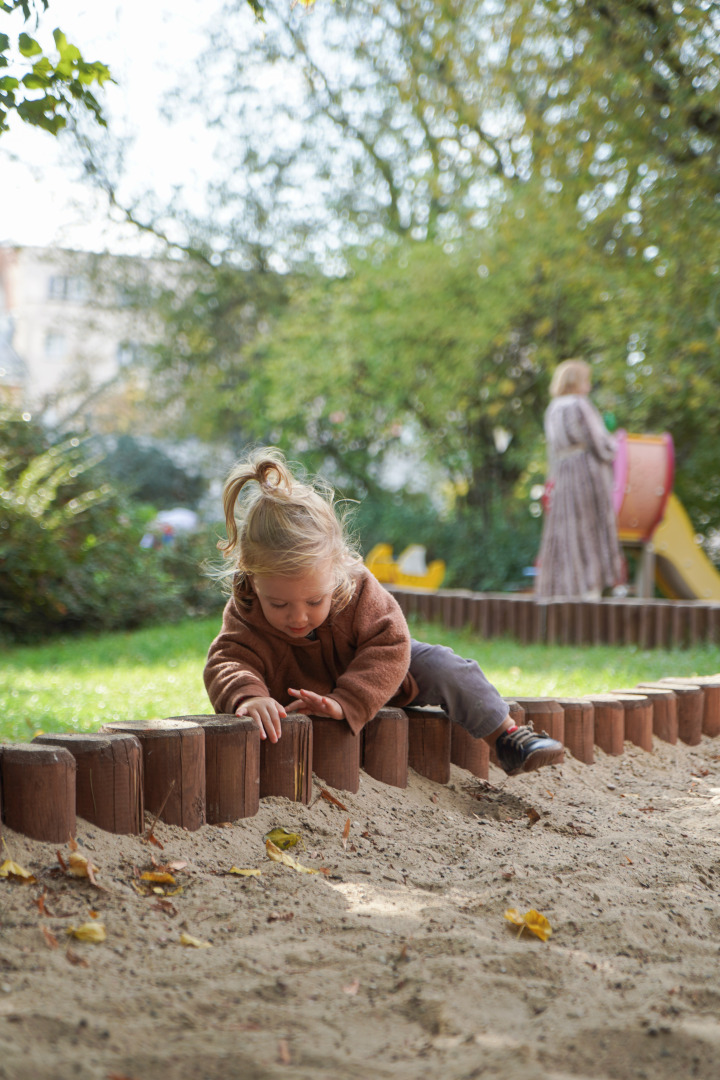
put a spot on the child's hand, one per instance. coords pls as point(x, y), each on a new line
point(267, 714)
point(315, 704)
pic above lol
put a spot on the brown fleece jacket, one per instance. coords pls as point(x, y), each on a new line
point(360, 656)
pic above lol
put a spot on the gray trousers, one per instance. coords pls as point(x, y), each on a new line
point(457, 686)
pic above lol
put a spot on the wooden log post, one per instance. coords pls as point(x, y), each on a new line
point(515, 711)
point(579, 728)
point(711, 707)
point(638, 718)
point(609, 723)
point(545, 714)
point(336, 753)
point(385, 747)
point(690, 708)
point(664, 703)
point(286, 766)
point(469, 753)
point(429, 743)
point(38, 791)
point(232, 766)
point(173, 768)
point(109, 778)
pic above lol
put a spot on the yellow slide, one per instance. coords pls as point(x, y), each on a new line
point(683, 570)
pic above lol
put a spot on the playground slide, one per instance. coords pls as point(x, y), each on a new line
point(647, 511)
point(682, 569)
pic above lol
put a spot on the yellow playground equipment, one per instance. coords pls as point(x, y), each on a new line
point(651, 517)
point(409, 570)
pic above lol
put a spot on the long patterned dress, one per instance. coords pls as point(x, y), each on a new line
point(580, 553)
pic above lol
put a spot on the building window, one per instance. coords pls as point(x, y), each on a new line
point(55, 345)
point(65, 287)
point(129, 353)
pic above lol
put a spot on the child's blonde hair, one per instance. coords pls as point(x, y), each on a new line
point(283, 525)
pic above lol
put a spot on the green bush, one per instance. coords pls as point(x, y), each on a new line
point(70, 555)
point(479, 557)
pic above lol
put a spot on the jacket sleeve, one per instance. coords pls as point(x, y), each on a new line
point(600, 442)
point(381, 662)
point(233, 671)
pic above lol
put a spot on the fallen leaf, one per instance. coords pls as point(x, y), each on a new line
point(193, 942)
point(42, 907)
point(165, 905)
point(325, 794)
point(274, 853)
point(346, 833)
point(533, 815)
point(79, 866)
point(158, 877)
point(352, 988)
point(284, 1052)
point(532, 920)
point(72, 843)
point(283, 838)
point(245, 872)
point(50, 940)
point(74, 958)
point(93, 932)
point(14, 872)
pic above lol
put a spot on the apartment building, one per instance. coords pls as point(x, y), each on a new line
point(70, 333)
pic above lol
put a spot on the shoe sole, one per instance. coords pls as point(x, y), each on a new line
point(536, 759)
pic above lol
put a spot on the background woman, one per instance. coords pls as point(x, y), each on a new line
point(580, 554)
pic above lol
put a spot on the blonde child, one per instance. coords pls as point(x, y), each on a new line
point(309, 629)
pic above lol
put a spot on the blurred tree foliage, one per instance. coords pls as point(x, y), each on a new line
point(148, 475)
point(39, 89)
point(487, 188)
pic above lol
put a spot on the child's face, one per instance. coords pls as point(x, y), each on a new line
point(296, 605)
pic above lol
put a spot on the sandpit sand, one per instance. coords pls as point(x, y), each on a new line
point(398, 962)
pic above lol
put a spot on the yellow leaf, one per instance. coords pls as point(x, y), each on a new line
point(532, 920)
point(277, 855)
point(252, 872)
point(159, 878)
point(89, 931)
point(14, 872)
point(283, 838)
point(195, 943)
point(79, 866)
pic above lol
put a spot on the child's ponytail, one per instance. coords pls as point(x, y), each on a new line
point(267, 467)
point(279, 524)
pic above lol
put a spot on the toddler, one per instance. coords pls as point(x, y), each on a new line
point(309, 629)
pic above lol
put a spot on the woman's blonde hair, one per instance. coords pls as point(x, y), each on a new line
point(571, 377)
point(279, 524)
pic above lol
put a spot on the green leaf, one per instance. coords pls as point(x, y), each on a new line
point(28, 46)
point(35, 82)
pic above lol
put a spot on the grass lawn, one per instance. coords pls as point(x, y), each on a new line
point(80, 683)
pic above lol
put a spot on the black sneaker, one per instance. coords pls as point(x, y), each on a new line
point(523, 750)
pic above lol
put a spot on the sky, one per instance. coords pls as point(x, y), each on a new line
point(148, 45)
